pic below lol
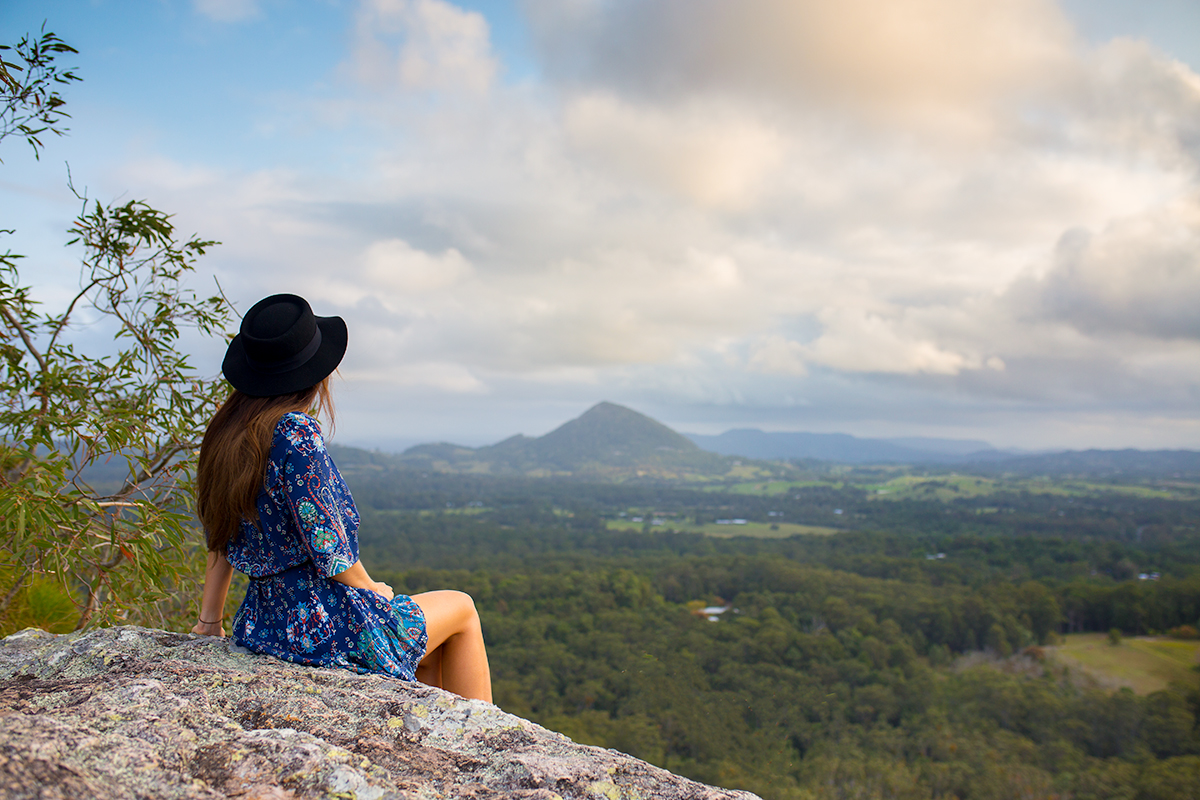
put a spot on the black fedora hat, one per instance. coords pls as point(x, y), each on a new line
point(283, 347)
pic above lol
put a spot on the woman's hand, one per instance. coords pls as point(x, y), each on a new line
point(357, 577)
point(209, 629)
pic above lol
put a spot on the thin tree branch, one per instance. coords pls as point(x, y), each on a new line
point(112, 562)
point(24, 337)
point(159, 462)
point(70, 309)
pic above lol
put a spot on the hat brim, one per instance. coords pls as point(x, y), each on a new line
point(248, 380)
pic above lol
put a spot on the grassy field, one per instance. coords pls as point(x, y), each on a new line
point(952, 486)
point(1144, 664)
point(770, 487)
point(941, 487)
point(758, 530)
point(749, 472)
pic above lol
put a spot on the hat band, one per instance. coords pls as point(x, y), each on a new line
point(298, 360)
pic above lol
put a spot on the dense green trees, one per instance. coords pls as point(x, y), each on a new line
point(847, 666)
point(814, 685)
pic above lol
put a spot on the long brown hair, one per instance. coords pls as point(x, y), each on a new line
point(233, 456)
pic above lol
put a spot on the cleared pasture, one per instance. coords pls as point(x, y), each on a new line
point(1144, 663)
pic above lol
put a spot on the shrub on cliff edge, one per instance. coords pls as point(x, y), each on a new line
point(125, 414)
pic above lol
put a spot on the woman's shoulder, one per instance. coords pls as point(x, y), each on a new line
point(297, 430)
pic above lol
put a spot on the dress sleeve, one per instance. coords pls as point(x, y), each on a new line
point(317, 497)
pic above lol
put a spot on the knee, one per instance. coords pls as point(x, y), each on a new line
point(465, 611)
point(468, 605)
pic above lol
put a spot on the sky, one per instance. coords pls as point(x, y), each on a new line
point(954, 218)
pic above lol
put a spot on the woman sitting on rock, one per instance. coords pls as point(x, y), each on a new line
point(275, 507)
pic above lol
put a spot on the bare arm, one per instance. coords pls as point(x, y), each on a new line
point(357, 577)
point(217, 575)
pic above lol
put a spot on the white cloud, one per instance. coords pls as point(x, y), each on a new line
point(943, 63)
point(1139, 275)
point(857, 340)
point(440, 376)
point(1128, 99)
point(691, 213)
point(393, 265)
point(423, 45)
point(710, 156)
point(776, 355)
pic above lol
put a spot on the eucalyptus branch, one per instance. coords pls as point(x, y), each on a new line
point(90, 607)
point(62, 320)
point(113, 561)
point(20, 329)
point(221, 292)
point(158, 463)
point(145, 342)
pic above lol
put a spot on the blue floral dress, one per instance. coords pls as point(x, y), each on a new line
point(306, 533)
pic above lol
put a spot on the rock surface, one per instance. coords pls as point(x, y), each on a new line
point(138, 713)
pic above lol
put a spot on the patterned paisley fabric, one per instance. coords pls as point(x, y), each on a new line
point(307, 532)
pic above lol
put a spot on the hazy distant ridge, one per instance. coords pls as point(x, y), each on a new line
point(609, 440)
point(844, 448)
point(1104, 464)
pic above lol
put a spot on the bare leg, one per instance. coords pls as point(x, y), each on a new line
point(455, 648)
point(429, 671)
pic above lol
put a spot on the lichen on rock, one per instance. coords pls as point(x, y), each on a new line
point(139, 713)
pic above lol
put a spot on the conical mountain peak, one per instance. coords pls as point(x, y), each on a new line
point(606, 439)
point(606, 430)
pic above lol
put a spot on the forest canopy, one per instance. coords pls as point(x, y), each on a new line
point(908, 654)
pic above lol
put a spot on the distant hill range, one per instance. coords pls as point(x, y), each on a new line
point(1103, 464)
point(607, 440)
point(846, 449)
point(611, 441)
point(972, 454)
